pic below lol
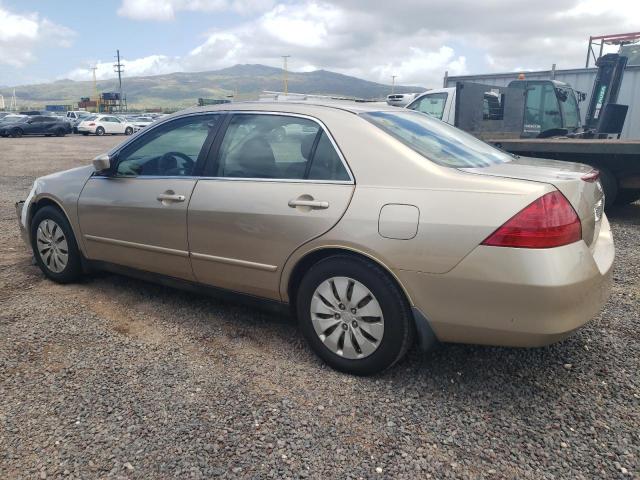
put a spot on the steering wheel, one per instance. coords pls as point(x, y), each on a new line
point(169, 165)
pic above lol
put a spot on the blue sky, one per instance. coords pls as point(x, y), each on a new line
point(416, 40)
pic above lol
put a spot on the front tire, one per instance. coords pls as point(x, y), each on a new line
point(54, 246)
point(99, 131)
point(60, 133)
point(353, 315)
point(128, 131)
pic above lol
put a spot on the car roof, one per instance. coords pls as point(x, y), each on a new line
point(306, 107)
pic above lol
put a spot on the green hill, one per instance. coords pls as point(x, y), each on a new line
point(182, 89)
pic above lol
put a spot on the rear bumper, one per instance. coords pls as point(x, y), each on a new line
point(516, 297)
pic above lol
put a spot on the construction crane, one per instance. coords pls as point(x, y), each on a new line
point(285, 79)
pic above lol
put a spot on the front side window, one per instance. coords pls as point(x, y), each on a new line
point(431, 104)
point(169, 150)
point(436, 140)
point(278, 147)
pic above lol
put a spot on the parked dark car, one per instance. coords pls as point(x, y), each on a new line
point(37, 125)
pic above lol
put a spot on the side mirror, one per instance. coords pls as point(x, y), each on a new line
point(30, 121)
point(102, 163)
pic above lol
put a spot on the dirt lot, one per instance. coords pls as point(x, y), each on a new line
point(114, 377)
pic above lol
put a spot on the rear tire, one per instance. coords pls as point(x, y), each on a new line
point(383, 325)
point(128, 131)
point(625, 197)
point(16, 133)
point(610, 186)
point(99, 131)
point(54, 246)
point(60, 132)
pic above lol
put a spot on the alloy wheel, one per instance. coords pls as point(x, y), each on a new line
point(52, 245)
point(347, 317)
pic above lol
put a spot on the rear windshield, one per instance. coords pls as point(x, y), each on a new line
point(436, 140)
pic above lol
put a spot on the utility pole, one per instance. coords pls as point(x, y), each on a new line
point(393, 83)
point(95, 87)
point(285, 79)
point(119, 68)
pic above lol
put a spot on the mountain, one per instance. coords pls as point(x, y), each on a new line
point(182, 89)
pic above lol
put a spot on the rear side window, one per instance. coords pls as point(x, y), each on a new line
point(278, 147)
point(327, 164)
point(436, 140)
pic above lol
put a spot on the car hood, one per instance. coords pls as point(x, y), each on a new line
point(586, 197)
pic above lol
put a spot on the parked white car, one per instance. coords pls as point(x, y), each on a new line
point(102, 124)
point(141, 122)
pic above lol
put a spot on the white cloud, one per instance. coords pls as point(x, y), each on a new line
point(416, 40)
point(163, 10)
point(22, 34)
point(150, 65)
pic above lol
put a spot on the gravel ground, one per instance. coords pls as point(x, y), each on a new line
point(119, 378)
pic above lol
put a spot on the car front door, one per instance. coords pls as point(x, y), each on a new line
point(34, 125)
point(277, 181)
point(136, 215)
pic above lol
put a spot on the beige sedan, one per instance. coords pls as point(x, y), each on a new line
point(377, 227)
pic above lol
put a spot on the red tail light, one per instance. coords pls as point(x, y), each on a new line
point(548, 222)
point(92, 124)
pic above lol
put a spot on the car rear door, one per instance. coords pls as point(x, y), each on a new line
point(274, 182)
point(137, 215)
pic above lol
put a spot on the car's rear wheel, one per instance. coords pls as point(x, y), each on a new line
point(16, 133)
point(54, 246)
point(353, 315)
point(60, 132)
point(128, 131)
point(99, 131)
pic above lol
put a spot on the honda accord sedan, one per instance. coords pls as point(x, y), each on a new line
point(378, 228)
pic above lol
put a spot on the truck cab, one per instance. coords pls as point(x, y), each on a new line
point(550, 108)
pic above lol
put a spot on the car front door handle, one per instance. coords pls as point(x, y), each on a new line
point(169, 197)
point(312, 204)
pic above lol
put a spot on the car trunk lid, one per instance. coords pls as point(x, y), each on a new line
point(574, 180)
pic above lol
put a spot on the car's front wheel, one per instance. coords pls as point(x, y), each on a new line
point(354, 315)
point(128, 131)
point(54, 246)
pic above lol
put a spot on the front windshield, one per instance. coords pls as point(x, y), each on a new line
point(436, 140)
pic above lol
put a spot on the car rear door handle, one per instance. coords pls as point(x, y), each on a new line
point(170, 197)
point(313, 204)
